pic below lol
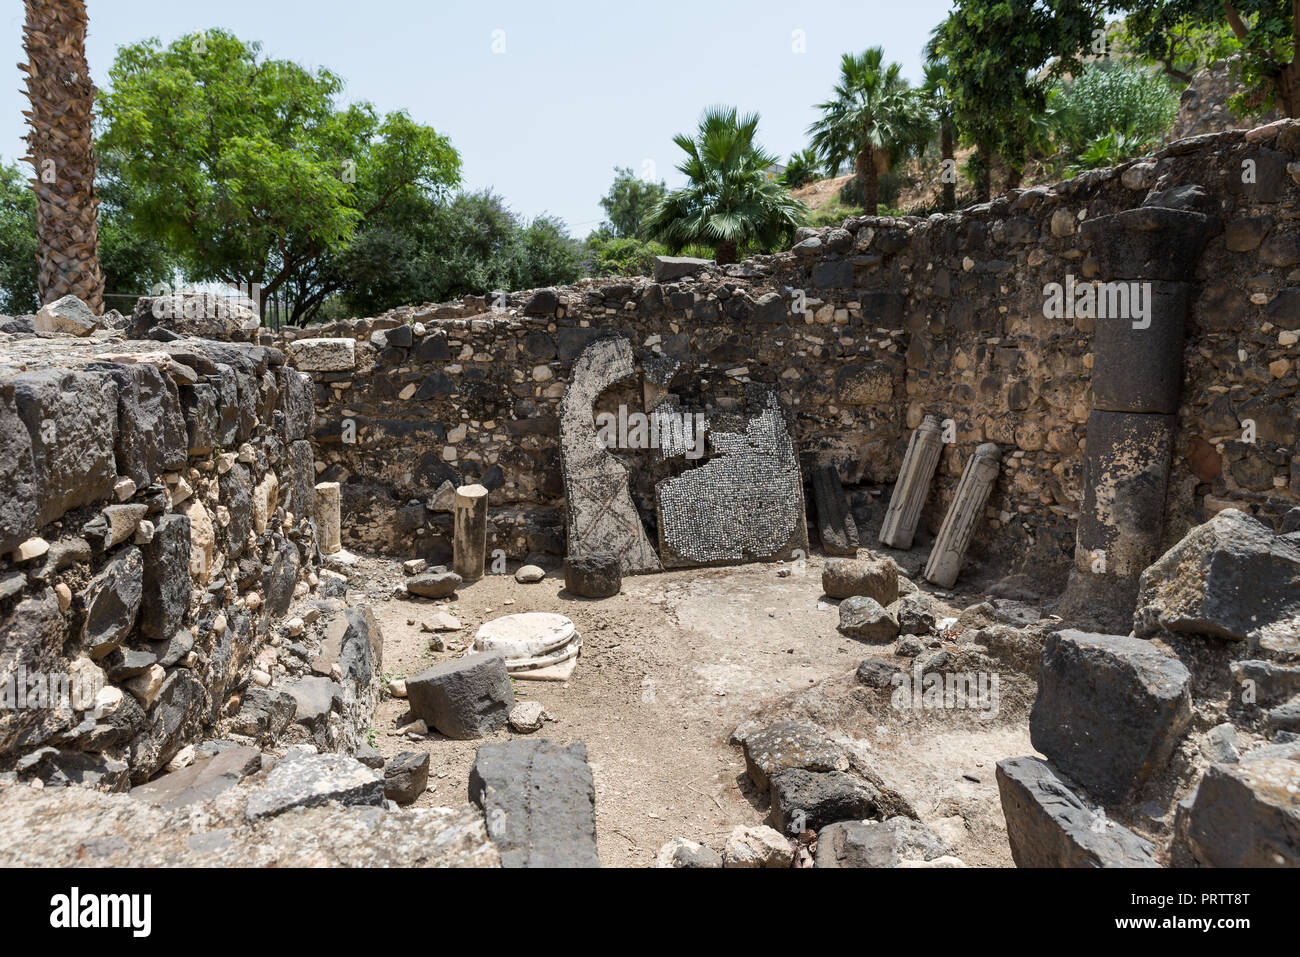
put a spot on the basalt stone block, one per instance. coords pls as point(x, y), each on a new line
point(151, 436)
point(17, 475)
point(544, 302)
point(310, 780)
point(1243, 815)
point(301, 479)
point(112, 601)
point(314, 699)
point(279, 579)
point(465, 698)
point(203, 780)
point(592, 576)
point(434, 584)
point(1138, 363)
point(812, 799)
point(1231, 578)
point(876, 578)
point(406, 776)
point(298, 403)
point(202, 418)
point(237, 493)
point(71, 418)
point(866, 619)
point(670, 268)
point(878, 843)
point(1049, 826)
point(175, 712)
point(1126, 473)
point(264, 713)
point(355, 632)
point(324, 355)
point(538, 801)
point(34, 631)
point(790, 744)
point(1150, 242)
point(226, 383)
point(61, 769)
point(1110, 710)
point(835, 524)
point(832, 272)
point(166, 584)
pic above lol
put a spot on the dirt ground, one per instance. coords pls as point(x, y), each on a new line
point(669, 668)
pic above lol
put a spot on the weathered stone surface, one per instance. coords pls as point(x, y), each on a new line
point(112, 600)
point(1049, 826)
point(434, 584)
point(68, 316)
point(406, 776)
point(297, 403)
point(204, 314)
point(1138, 360)
point(790, 744)
point(680, 852)
point(866, 619)
point(310, 780)
point(314, 699)
point(150, 435)
point(1149, 242)
point(917, 614)
point(207, 777)
point(301, 479)
point(264, 713)
point(592, 576)
point(1127, 471)
point(77, 827)
point(600, 515)
point(962, 518)
point(64, 769)
point(878, 843)
point(812, 799)
point(1231, 577)
point(175, 711)
point(470, 538)
point(745, 504)
point(539, 802)
point(463, 698)
point(1243, 815)
point(1110, 710)
point(757, 847)
point(17, 475)
point(71, 419)
point(165, 595)
point(876, 578)
point(913, 485)
point(324, 355)
point(875, 673)
point(835, 524)
point(669, 268)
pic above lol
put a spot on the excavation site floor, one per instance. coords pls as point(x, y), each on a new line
point(670, 667)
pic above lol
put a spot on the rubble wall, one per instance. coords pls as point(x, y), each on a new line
point(900, 318)
point(154, 529)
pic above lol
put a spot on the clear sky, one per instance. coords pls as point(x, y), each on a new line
point(580, 87)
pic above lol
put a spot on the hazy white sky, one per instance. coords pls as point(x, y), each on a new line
point(581, 86)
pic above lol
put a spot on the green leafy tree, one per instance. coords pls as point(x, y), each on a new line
point(19, 291)
point(610, 255)
point(729, 201)
point(1000, 57)
point(1267, 31)
point(629, 201)
point(249, 169)
point(873, 118)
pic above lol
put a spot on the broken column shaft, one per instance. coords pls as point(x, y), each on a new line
point(913, 485)
point(469, 547)
point(963, 516)
point(329, 517)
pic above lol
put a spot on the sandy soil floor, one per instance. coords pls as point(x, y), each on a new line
point(669, 668)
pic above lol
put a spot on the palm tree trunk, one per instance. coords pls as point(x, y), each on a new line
point(946, 147)
point(61, 151)
point(984, 178)
point(1013, 178)
point(868, 180)
point(725, 253)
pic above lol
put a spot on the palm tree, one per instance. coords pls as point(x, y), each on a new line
point(873, 117)
point(61, 151)
point(729, 200)
point(939, 100)
point(802, 169)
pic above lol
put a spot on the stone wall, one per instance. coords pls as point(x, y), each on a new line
point(862, 330)
point(154, 529)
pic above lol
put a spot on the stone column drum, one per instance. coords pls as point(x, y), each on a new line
point(1149, 252)
point(329, 517)
point(913, 485)
point(963, 516)
point(469, 546)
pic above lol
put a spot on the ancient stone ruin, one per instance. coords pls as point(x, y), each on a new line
point(959, 541)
